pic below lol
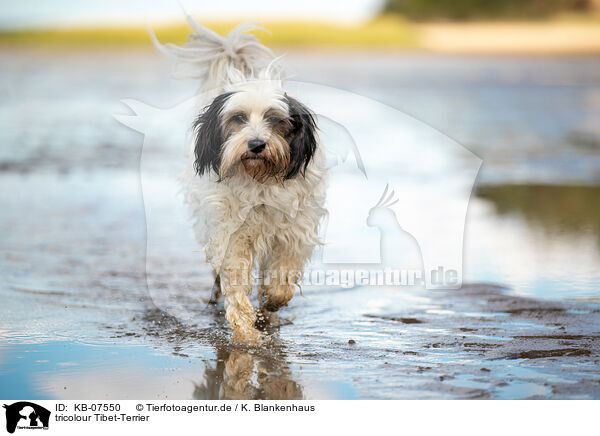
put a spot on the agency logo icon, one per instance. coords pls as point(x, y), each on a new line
point(26, 415)
point(422, 178)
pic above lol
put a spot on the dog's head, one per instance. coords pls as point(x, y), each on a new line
point(256, 131)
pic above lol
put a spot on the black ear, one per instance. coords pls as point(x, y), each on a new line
point(302, 139)
point(209, 136)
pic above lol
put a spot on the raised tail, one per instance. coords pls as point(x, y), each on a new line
point(217, 60)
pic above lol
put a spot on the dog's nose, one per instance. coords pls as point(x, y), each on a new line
point(256, 145)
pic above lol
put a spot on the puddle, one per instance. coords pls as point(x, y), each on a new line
point(519, 390)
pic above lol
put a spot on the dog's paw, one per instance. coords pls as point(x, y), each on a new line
point(250, 337)
point(275, 298)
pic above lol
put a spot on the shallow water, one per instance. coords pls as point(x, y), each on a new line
point(78, 320)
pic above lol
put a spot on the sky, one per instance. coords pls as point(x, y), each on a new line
point(25, 14)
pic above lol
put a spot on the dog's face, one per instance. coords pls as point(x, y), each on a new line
point(256, 131)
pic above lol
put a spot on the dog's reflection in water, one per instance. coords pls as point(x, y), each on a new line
point(242, 375)
point(239, 373)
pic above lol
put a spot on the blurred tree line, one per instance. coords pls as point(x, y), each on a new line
point(486, 9)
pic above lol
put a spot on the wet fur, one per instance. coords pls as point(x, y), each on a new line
point(253, 212)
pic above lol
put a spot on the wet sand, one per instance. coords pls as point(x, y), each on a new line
point(472, 343)
point(476, 342)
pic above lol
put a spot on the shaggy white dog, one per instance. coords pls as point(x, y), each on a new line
point(255, 178)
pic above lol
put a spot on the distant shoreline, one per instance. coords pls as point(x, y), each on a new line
point(512, 38)
point(384, 33)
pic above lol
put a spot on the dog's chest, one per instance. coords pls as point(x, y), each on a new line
point(269, 215)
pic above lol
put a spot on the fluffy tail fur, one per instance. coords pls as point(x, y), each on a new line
point(217, 60)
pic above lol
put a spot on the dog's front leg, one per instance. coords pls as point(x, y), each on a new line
point(284, 274)
point(236, 285)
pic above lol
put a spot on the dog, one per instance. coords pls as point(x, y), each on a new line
point(255, 178)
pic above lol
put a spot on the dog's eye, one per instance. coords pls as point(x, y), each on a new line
point(274, 120)
point(239, 118)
